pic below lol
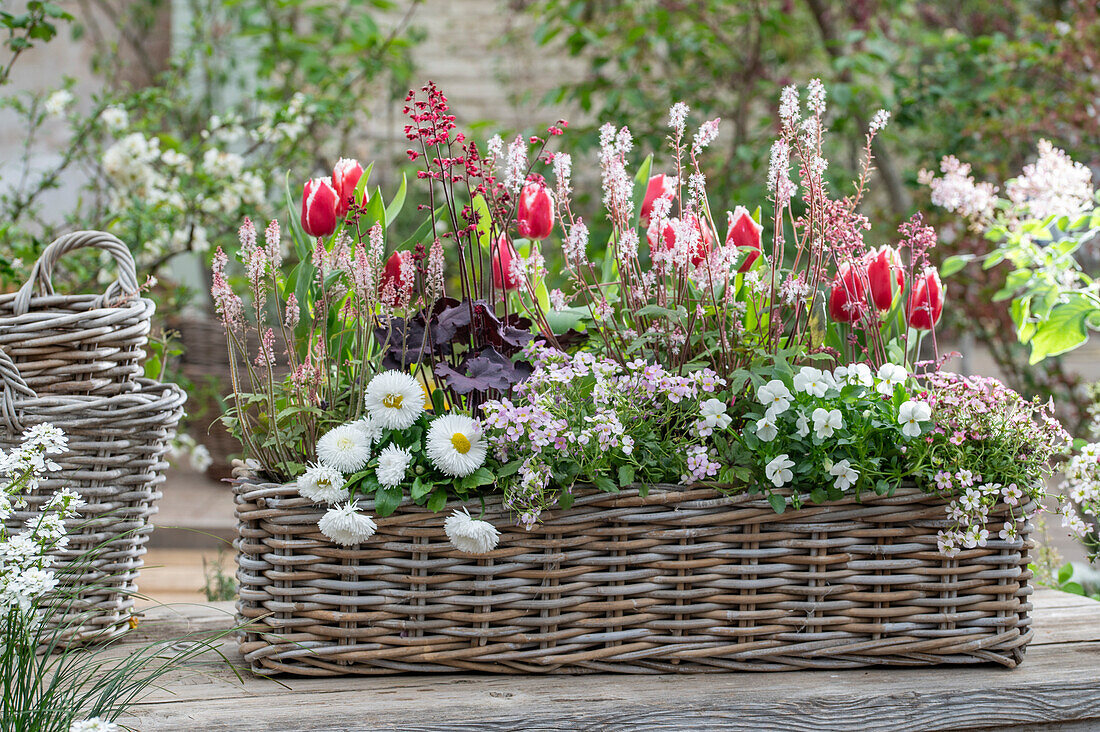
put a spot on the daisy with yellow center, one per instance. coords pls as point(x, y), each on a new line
point(455, 445)
point(394, 400)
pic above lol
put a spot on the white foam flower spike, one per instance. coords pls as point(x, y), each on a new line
point(322, 484)
point(346, 448)
point(455, 445)
point(346, 526)
point(470, 535)
point(394, 400)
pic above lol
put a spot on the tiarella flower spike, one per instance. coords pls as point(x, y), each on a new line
point(659, 186)
point(398, 278)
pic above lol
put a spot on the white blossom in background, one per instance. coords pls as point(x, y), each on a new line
point(1054, 185)
point(95, 724)
point(58, 103)
point(115, 118)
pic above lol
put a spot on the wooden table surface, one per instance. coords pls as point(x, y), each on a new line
point(1057, 687)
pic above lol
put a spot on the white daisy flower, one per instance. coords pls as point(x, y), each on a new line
point(845, 475)
point(890, 375)
point(369, 428)
point(322, 484)
point(346, 448)
point(394, 400)
point(346, 526)
point(455, 444)
point(778, 470)
point(911, 414)
point(95, 724)
point(470, 535)
point(826, 421)
point(393, 463)
point(775, 396)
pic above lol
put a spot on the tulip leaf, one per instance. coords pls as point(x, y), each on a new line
point(397, 203)
point(641, 182)
point(484, 222)
point(421, 233)
point(364, 179)
point(301, 241)
point(376, 210)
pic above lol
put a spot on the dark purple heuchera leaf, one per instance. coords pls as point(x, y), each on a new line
point(487, 370)
point(466, 322)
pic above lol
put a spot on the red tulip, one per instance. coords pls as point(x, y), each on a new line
point(504, 274)
point(659, 186)
point(926, 300)
point(667, 239)
point(536, 211)
point(319, 202)
point(397, 278)
point(345, 177)
point(883, 270)
point(744, 233)
point(848, 299)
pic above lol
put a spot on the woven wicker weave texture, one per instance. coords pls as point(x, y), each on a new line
point(683, 580)
point(75, 361)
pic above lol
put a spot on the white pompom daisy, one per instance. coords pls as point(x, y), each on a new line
point(346, 526)
point(322, 484)
point(346, 448)
point(470, 535)
point(394, 400)
point(369, 428)
point(455, 444)
point(393, 463)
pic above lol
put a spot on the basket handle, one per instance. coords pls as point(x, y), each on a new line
point(126, 284)
point(11, 386)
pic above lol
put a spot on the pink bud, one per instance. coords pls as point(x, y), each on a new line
point(504, 274)
point(744, 233)
point(319, 202)
point(345, 176)
point(536, 211)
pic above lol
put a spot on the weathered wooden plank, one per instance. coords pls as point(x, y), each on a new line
point(1059, 683)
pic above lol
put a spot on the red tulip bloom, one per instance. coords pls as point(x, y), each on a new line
point(744, 233)
point(319, 201)
point(398, 277)
point(667, 240)
point(883, 271)
point(659, 186)
point(536, 211)
point(926, 300)
point(504, 275)
point(345, 177)
point(848, 299)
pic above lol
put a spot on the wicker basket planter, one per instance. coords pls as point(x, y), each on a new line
point(682, 580)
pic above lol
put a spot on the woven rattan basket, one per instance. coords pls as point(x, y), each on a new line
point(77, 344)
point(682, 580)
point(115, 460)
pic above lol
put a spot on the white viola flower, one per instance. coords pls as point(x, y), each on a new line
point(394, 400)
point(811, 381)
point(322, 484)
point(778, 471)
point(845, 475)
point(470, 535)
point(890, 375)
point(713, 414)
point(802, 425)
point(774, 396)
point(346, 526)
point(455, 444)
point(346, 448)
point(95, 724)
point(910, 416)
point(765, 427)
point(826, 421)
point(859, 374)
point(393, 464)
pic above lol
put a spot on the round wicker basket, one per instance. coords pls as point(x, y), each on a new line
point(679, 580)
